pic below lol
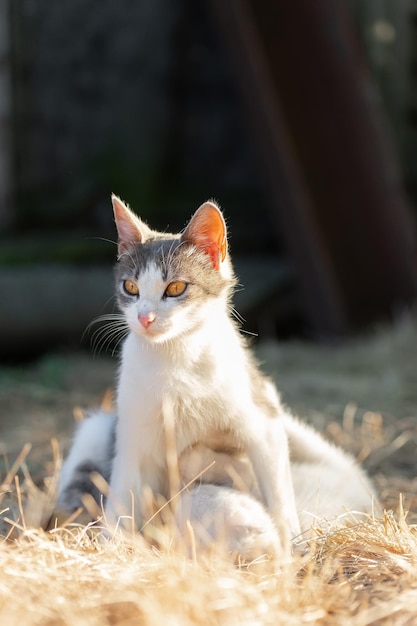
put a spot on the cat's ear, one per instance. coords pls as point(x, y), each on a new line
point(129, 227)
point(207, 231)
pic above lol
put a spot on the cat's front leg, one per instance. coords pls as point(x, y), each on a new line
point(123, 502)
point(139, 463)
point(267, 449)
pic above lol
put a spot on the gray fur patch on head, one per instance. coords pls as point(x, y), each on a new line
point(177, 260)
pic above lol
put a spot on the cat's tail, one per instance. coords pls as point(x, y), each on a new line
point(327, 480)
point(92, 451)
point(308, 446)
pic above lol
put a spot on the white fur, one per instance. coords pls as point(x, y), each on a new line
point(327, 483)
point(226, 519)
point(217, 399)
point(92, 441)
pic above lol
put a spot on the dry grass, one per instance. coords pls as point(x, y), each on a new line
point(362, 573)
point(364, 395)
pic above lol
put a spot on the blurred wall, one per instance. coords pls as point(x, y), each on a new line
point(130, 97)
point(140, 98)
point(388, 30)
point(6, 122)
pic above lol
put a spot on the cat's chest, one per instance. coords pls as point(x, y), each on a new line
point(191, 390)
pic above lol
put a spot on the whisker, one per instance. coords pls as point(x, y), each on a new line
point(114, 337)
point(248, 332)
point(102, 239)
point(129, 254)
point(171, 251)
point(113, 297)
point(164, 262)
point(235, 313)
point(108, 329)
point(104, 331)
point(118, 341)
point(112, 330)
point(106, 317)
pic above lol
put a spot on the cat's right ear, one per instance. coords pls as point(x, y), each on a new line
point(130, 228)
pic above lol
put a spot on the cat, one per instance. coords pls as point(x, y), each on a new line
point(224, 502)
point(218, 514)
point(186, 370)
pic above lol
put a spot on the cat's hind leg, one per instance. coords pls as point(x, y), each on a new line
point(221, 518)
point(92, 451)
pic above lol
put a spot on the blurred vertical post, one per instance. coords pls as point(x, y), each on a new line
point(331, 172)
point(6, 152)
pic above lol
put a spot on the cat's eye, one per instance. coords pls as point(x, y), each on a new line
point(130, 287)
point(175, 288)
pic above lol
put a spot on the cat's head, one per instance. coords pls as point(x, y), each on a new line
point(167, 284)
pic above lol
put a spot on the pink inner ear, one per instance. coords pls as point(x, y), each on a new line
point(214, 253)
point(207, 231)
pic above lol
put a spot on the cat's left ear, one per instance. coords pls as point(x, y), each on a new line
point(207, 231)
point(130, 228)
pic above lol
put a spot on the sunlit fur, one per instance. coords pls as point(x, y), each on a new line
point(188, 380)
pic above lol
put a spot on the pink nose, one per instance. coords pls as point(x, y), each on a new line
point(146, 320)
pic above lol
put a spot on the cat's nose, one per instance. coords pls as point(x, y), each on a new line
point(146, 320)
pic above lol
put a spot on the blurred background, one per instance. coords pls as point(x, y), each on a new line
point(300, 118)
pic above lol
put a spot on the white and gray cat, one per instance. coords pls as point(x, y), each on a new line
point(185, 369)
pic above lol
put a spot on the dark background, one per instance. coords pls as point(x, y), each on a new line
point(300, 118)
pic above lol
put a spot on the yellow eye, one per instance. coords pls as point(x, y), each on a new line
point(130, 287)
point(175, 289)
